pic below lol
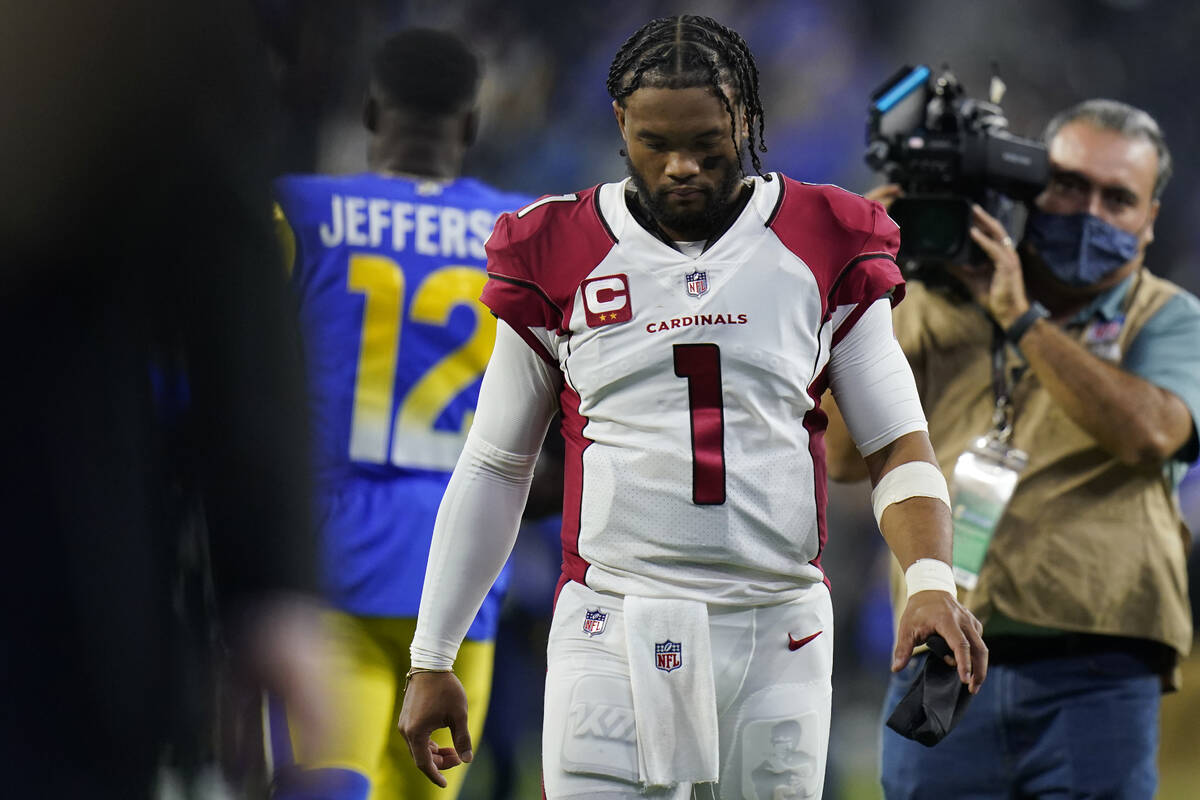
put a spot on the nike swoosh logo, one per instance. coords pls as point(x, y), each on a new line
point(796, 644)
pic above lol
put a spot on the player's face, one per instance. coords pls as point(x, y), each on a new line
point(681, 157)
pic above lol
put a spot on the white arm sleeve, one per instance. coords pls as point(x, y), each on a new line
point(872, 381)
point(480, 513)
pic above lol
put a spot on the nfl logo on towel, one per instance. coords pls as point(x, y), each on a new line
point(697, 283)
point(668, 655)
point(594, 622)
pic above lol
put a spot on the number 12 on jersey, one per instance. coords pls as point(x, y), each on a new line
point(415, 441)
point(701, 365)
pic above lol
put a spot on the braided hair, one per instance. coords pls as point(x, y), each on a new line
point(687, 51)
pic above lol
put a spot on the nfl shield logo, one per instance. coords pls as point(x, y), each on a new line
point(697, 283)
point(594, 622)
point(668, 655)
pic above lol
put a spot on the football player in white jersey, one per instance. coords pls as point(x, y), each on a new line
point(686, 321)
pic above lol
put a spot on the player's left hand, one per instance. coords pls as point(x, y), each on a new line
point(435, 700)
point(935, 611)
point(1002, 292)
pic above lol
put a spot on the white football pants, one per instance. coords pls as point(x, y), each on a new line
point(772, 668)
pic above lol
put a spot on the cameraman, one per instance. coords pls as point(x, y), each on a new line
point(1076, 354)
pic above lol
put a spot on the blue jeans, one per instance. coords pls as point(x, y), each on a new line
point(1072, 727)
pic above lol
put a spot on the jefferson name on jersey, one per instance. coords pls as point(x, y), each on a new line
point(430, 230)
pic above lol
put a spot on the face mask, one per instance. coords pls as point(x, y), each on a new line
point(1079, 249)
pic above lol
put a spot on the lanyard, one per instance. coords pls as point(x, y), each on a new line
point(1002, 415)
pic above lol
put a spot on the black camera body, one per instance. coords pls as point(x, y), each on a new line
point(948, 151)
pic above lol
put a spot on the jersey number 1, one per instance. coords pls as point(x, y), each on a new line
point(701, 365)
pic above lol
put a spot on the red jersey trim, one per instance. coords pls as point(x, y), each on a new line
point(600, 215)
point(876, 286)
point(778, 201)
point(815, 422)
point(574, 567)
point(527, 284)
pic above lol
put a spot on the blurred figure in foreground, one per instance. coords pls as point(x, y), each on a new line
point(154, 496)
point(387, 267)
point(1068, 537)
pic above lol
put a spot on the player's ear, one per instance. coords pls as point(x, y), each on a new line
point(470, 127)
point(370, 114)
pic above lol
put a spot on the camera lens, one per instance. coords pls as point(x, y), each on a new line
point(932, 227)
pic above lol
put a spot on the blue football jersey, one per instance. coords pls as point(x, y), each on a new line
point(388, 273)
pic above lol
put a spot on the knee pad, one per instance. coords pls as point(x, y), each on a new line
point(600, 736)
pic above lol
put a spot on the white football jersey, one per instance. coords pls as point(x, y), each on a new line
point(691, 385)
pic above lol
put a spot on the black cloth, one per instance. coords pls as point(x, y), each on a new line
point(936, 700)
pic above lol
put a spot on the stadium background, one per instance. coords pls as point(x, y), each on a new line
point(547, 129)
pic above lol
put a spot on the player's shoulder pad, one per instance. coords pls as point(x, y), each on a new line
point(839, 212)
point(550, 239)
point(847, 241)
point(831, 229)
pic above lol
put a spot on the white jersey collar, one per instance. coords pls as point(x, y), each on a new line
point(619, 218)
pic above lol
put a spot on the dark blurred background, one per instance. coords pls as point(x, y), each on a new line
point(547, 127)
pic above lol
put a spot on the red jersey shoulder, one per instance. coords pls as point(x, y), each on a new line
point(538, 256)
point(553, 242)
point(838, 217)
point(830, 228)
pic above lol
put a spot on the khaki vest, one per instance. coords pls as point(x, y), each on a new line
point(1087, 544)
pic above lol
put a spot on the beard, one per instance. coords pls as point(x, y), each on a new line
point(696, 225)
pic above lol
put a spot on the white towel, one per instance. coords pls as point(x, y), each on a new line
point(674, 697)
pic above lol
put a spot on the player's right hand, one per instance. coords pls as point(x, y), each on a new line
point(435, 700)
point(930, 612)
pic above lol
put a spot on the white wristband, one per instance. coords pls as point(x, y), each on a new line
point(910, 479)
point(929, 573)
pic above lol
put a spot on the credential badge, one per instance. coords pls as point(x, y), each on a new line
point(668, 655)
point(1102, 338)
point(697, 283)
point(594, 622)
